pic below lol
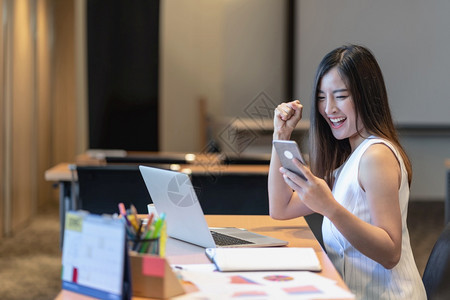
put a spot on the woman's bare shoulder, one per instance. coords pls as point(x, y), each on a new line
point(379, 164)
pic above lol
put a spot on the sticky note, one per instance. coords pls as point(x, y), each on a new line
point(153, 266)
point(74, 222)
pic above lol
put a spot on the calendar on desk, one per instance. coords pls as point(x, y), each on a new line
point(95, 260)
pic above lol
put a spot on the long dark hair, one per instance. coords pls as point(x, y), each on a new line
point(363, 77)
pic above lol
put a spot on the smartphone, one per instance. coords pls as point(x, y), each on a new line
point(286, 151)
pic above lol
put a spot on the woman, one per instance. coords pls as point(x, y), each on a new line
point(358, 179)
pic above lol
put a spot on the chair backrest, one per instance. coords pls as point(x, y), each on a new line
point(232, 193)
point(436, 276)
point(102, 188)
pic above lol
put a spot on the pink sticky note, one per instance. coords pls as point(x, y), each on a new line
point(152, 266)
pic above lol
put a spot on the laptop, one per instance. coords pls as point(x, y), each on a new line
point(172, 193)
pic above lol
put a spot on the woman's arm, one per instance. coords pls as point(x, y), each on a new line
point(283, 202)
point(379, 177)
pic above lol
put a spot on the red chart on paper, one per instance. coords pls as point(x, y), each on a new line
point(302, 290)
point(241, 280)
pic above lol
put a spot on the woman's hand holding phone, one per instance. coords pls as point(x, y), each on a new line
point(287, 150)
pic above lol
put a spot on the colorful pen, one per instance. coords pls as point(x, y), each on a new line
point(158, 225)
point(150, 220)
point(153, 234)
point(123, 212)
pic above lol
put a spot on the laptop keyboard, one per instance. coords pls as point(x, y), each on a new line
point(226, 240)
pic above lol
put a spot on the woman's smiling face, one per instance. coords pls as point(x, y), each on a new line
point(335, 104)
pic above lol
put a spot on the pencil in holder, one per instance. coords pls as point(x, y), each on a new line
point(149, 246)
point(145, 246)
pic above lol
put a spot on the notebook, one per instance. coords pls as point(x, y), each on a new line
point(172, 193)
point(281, 259)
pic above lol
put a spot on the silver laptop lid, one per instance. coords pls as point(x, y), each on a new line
point(173, 194)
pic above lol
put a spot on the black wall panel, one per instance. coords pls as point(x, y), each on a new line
point(123, 54)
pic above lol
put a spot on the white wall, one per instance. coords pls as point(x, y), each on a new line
point(255, 56)
point(191, 68)
point(226, 51)
point(428, 155)
point(411, 40)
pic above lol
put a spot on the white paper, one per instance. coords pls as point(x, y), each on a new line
point(195, 267)
point(263, 285)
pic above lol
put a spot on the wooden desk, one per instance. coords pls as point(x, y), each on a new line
point(65, 173)
point(296, 231)
point(62, 171)
point(144, 157)
point(66, 176)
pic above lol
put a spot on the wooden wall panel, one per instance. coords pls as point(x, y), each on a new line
point(64, 129)
point(38, 116)
point(43, 100)
point(2, 113)
point(23, 169)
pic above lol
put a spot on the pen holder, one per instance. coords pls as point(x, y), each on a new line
point(145, 246)
point(152, 277)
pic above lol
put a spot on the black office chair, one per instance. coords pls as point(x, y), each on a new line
point(436, 276)
point(102, 188)
point(315, 221)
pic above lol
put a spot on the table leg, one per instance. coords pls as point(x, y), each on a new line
point(65, 204)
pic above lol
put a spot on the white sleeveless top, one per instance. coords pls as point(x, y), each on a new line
point(366, 278)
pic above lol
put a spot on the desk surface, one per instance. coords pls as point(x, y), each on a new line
point(102, 156)
point(61, 172)
point(296, 231)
